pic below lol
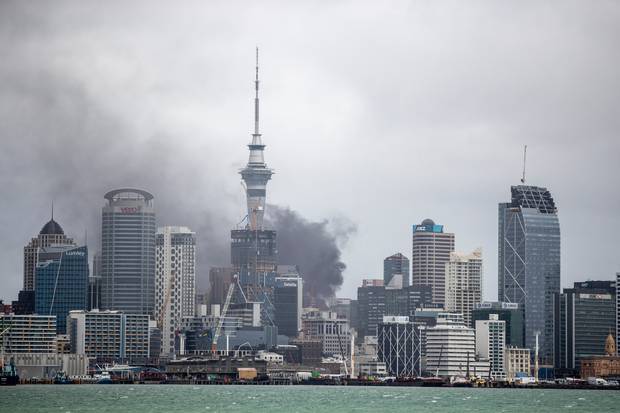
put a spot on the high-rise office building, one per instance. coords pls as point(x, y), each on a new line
point(288, 301)
point(584, 316)
point(175, 281)
point(510, 313)
point(430, 253)
point(371, 306)
point(464, 283)
point(51, 233)
point(529, 261)
point(61, 281)
point(396, 265)
point(491, 344)
point(398, 346)
point(128, 252)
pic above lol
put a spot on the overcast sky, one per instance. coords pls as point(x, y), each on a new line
point(375, 114)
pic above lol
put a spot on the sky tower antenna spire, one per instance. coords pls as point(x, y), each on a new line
point(524, 159)
point(256, 102)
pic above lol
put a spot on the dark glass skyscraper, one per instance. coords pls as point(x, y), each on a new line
point(61, 282)
point(529, 261)
point(584, 316)
point(128, 252)
point(396, 264)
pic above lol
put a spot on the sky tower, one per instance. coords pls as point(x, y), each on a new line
point(253, 249)
point(256, 174)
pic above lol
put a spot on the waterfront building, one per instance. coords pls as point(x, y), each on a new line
point(109, 336)
point(605, 366)
point(333, 332)
point(175, 281)
point(430, 253)
point(128, 252)
point(51, 234)
point(398, 342)
point(584, 316)
point(28, 333)
point(529, 261)
point(464, 283)
point(396, 265)
point(47, 365)
point(451, 349)
point(517, 363)
point(288, 302)
point(491, 343)
point(510, 313)
point(61, 282)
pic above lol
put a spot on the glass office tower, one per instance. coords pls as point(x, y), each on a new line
point(529, 261)
point(61, 281)
point(128, 252)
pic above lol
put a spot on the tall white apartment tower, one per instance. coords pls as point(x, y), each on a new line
point(175, 281)
point(491, 344)
point(464, 283)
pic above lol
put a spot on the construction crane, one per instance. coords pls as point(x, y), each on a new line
point(342, 350)
point(524, 159)
point(220, 322)
point(162, 310)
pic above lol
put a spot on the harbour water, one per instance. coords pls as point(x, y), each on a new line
point(272, 399)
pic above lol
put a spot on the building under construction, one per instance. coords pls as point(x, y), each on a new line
point(254, 253)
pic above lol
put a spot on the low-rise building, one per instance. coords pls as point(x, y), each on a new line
point(47, 365)
point(109, 336)
point(451, 349)
point(29, 333)
point(332, 331)
point(517, 362)
point(398, 342)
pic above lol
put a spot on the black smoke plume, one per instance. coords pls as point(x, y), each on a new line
point(315, 248)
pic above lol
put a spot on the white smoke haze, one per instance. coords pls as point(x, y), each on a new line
point(377, 115)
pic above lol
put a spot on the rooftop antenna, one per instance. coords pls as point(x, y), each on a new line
point(52, 210)
point(524, 159)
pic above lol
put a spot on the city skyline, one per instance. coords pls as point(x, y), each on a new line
point(570, 155)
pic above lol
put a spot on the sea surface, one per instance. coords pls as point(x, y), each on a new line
point(272, 399)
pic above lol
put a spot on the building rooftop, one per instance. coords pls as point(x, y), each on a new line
point(52, 228)
point(540, 198)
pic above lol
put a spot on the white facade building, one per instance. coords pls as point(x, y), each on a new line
point(332, 331)
point(491, 343)
point(517, 362)
point(109, 335)
point(451, 349)
point(46, 365)
point(175, 282)
point(464, 283)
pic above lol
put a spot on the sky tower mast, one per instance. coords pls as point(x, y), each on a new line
point(256, 174)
